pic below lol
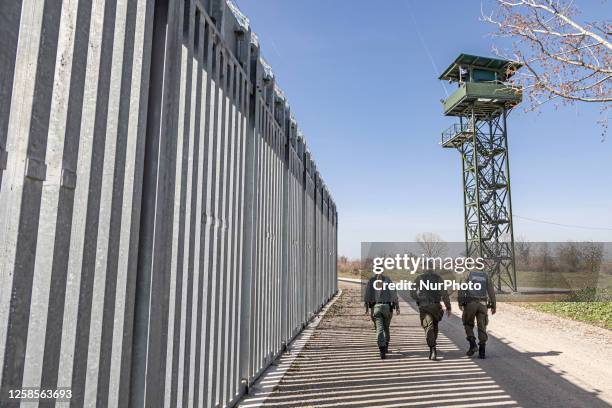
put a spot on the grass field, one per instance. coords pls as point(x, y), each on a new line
point(563, 280)
point(597, 313)
point(346, 274)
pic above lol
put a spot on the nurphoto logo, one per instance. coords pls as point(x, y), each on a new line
point(446, 284)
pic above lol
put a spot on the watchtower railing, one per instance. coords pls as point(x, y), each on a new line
point(454, 130)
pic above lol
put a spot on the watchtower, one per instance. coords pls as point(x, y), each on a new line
point(481, 103)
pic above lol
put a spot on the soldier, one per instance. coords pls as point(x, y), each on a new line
point(427, 293)
point(474, 304)
point(382, 301)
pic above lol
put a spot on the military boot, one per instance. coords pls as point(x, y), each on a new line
point(473, 347)
point(433, 353)
point(481, 350)
point(383, 352)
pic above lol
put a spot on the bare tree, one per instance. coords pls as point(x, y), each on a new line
point(522, 251)
point(569, 256)
point(544, 261)
point(432, 244)
point(564, 59)
point(592, 254)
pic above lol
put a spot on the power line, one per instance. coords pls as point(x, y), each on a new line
point(424, 45)
point(563, 225)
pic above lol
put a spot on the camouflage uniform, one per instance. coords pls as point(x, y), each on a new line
point(475, 305)
point(430, 310)
point(381, 303)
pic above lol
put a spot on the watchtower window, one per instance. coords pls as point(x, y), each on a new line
point(482, 75)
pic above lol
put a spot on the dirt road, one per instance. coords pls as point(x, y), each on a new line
point(534, 360)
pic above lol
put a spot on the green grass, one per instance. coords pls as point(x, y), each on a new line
point(597, 313)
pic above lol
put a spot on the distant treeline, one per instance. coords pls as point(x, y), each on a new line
point(562, 257)
point(590, 257)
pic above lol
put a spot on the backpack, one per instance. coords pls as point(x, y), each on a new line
point(430, 296)
point(483, 279)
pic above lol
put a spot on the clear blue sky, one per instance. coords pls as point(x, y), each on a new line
point(366, 95)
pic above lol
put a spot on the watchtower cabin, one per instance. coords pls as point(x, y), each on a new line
point(483, 91)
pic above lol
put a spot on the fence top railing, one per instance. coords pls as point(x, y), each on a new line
point(234, 28)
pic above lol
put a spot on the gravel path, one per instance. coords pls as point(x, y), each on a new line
point(534, 360)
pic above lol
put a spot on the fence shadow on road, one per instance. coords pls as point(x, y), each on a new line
point(339, 366)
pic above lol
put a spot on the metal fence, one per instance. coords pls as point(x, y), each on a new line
point(164, 230)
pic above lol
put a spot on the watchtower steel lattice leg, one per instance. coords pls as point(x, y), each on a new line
point(486, 188)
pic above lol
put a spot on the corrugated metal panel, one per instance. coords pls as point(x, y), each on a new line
point(165, 232)
point(309, 240)
point(72, 126)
